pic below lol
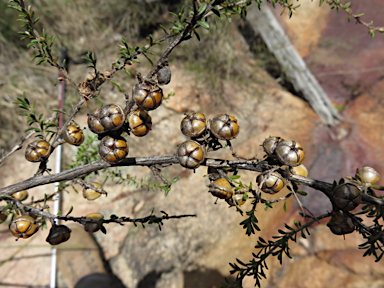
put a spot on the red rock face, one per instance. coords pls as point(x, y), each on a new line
point(343, 56)
point(349, 64)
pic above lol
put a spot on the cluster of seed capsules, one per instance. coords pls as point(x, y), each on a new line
point(287, 152)
point(344, 197)
point(348, 196)
point(24, 225)
point(109, 122)
point(192, 153)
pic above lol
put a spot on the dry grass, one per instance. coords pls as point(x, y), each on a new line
point(220, 56)
point(80, 26)
point(98, 26)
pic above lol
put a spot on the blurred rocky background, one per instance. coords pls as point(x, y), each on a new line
point(223, 73)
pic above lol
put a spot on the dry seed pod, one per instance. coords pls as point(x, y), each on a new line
point(58, 234)
point(270, 144)
point(341, 224)
point(190, 154)
point(273, 183)
point(94, 123)
point(91, 194)
point(224, 127)
point(113, 150)
point(21, 195)
point(93, 227)
point(221, 188)
point(193, 124)
point(73, 135)
point(300, 170)
point(368, 175)
point(38, 151)
point(347, 196)
point(140, 122)
point(147, 98)
point(164, 75)
point(290, 153)
point(112, 117)
point(140, 91)
point(23, 226)
point(238, 197)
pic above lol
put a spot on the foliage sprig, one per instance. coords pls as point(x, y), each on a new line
point(41, 126)
point(336, 4)
point(277, 248)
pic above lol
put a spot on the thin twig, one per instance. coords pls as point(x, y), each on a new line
point(157, 173)
point(17, 147)
point(87, 185)
point(143, 161)
point(357, 17)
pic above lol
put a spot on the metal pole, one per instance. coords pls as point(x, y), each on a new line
point(57, 200)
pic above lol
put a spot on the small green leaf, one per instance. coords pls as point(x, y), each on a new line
point(69, 211)
point(61, 111)
point(197, 35)
point(149, 59)
point(234, 177)
point(124, 41)
point(377, 187)
point(202, 8)
point(34, 129)
point(358, 15)
point(117, 85)
point(167, 189)
point(288, 227)
point(177, 28)
point(240, 262)
point(345, 6)
point(302, 193)
point(102, 229)
point(215, 12)
point(6, 207)
point(372, 32)
point(162, 27)
point(126, 71)
point(203, 24)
